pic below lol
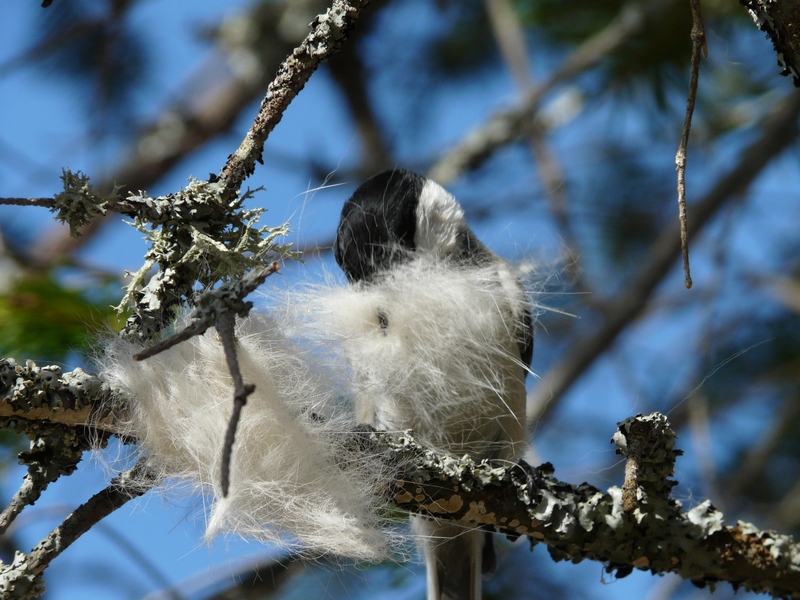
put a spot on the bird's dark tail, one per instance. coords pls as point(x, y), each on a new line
point(454, 559)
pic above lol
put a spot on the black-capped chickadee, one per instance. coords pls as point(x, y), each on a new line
point(444, 346)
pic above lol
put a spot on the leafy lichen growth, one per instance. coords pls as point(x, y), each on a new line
point(78, 204)
point(197, 238)
point(197, 241)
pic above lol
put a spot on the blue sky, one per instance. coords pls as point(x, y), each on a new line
point(41, 131)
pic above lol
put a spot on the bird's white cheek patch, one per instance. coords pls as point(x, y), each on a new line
point(439, 219)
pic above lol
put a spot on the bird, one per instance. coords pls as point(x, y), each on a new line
point(445, 345)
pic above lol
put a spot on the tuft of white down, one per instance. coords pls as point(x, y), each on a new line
point(430, 346)
point(434, 347)
point(295, 476)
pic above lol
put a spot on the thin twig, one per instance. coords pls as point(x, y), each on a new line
point(46, 202)
point(225, 326)
point(330, 30)
point(698, 48)
point(198, 327)
point(219, 308)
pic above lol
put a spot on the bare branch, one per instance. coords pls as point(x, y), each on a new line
point(225, 326)
point(219, 308)
point(698, 47)
point(330, 30)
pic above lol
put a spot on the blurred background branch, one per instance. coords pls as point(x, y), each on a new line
point(555, 125)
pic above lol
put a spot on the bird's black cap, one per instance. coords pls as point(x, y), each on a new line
point(378, 224)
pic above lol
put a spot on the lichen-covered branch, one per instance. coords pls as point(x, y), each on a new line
point(329, 31)
point(23, 577)
point(63, 414)
point(510, 125)
point(780, 20)
point(47, 396)
point(637, 526)
point(212, 305)
point(195, 240)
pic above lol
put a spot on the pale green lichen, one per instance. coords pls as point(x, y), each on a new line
point(78, 204)
point(29, 387)
point(18, 580)
point(197, 241)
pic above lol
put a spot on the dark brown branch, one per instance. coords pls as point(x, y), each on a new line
point(698, 48)
point(219, 308)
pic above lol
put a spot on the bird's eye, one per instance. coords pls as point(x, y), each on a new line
point(383, 320)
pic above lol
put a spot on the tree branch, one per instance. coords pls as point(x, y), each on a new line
point(48, 396)
point(637, 526)
point(23, 577)
point(510, 125)
point(777, 132)
point(330, 30)
point(698, 49)
point(209, 105)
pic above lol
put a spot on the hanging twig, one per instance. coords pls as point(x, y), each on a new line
point(225, 325)
point(698, 46)
point(778, 130)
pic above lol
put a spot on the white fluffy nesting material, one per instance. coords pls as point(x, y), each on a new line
point(432, 347)
point(292, 440)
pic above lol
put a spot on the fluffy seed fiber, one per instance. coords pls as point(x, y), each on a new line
point(425, 342)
